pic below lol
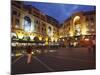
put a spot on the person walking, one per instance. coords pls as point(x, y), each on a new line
point(29, 54)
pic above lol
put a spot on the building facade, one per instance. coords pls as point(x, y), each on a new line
point(28, 23)
point(80, 25)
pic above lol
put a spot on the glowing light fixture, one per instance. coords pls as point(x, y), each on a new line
point(71, 34)
point(61, 36)
point(46, 39)
point(20, 35)
point(16, 26)
point(40, 38)
point(55, 39)
point(52, 39)
point(46, 43)
point(32, 52)
point(86, 39)
point(84, 32)
point(32, 37)
point(63, 39)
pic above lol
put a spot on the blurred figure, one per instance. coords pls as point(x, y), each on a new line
point(94, 43)
point(29, 54)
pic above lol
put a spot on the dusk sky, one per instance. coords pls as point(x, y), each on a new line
point(60, 12)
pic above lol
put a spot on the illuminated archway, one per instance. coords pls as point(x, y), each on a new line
point(76, 18)
point(27, 24)
point(77, 25)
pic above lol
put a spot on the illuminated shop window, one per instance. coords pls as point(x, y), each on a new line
point(27, 24)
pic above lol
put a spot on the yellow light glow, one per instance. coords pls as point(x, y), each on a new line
point(84, 32)
point(76, 18)
point(32, 37)
point(86, 39)
point(46, 39)
point(18, 54)
point(32, 52)
point(52, 39)
point(84, 29)
point(20, 36)
point(61, 36)
point(46, 43)
point(63, 39)
point(40, 38)
point(75, 44)
point(71, 34)
point(55, 39)
point(16, 26)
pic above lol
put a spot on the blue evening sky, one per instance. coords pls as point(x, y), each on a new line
point(60, 12)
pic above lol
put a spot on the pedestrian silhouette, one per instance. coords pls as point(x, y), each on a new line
point(29, 54)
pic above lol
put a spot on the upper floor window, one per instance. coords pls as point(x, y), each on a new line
point(17, 22)
point(49, 31)
point(27, 24)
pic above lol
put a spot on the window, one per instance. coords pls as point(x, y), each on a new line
point(50, 32)
point(17, 21)
point(43, 24)
point(42, 29)
point(69, 29)
point(14, 12)
point(27, 24)
point(87, 19)
point(49, 29)
point(18, 14)
point(36, 21)
point(91, 18)
point(17, 4)
point(45, 29)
